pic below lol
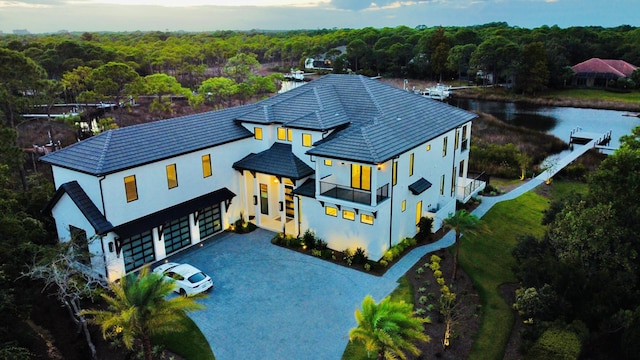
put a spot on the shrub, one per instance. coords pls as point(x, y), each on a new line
point(422, 299)
point(422, 289)
point(435, 259)
point(437, 274)
point(421, 312)
point(309, 239)
point(425, 229)
point(556, 344)
point(384, 263)
point(359, 256)
point(327, 253)
point(316, 252)
point(420, 271)
point(367, 267)
point(320, 244)
point(388, 256)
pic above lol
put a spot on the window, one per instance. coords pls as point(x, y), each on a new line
point(348, 214)
point(442, 185)
point(461, 172)
point(328, 162)
point(464, 132)
point(404, 205)
point(444, 146)
point(411, 164)
point(428, 147)
point(366, 219)
point(453, 180)
point(138, 250)
point(306, 140)
point(257, 133)
point(285, 134)
point(206, 165)
point(418, 212)
point(394, 175)
point(79, 238)
point(360, 177)
point(176, 234)
point(130, 188)
point(209, 221)
point(172, 176)
point(456, 140)
point(331, 211)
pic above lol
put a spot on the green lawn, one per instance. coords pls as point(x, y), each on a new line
point(356, 350)
point(595, 94)
point(190, 344)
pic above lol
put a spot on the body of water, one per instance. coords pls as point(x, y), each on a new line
point(558, 121)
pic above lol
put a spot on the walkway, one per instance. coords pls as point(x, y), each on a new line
point(273, 303)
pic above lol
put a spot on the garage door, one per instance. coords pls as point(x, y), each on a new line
point(209, 221)
point(138, 250)
point(176, 234)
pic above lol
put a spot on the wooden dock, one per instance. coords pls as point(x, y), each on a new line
point(581, 137)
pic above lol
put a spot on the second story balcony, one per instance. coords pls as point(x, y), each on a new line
point(354, 195)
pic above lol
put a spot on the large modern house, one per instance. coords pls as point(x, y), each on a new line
point(598, 72)
point(352, 159)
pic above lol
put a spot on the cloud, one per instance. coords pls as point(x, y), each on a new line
point(357, 5)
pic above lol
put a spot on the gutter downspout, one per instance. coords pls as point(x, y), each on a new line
point(391, 204)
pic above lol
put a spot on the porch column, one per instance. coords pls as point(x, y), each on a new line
point(256, 193)
point(282, 206)
point(245, 194)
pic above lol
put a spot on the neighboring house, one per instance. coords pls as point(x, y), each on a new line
point(353, 159)
point(597, 72)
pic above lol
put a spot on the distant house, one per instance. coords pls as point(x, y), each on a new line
point(357, 161)
point(598, 72)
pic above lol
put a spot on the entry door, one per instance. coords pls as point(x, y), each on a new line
point(288, 201)
point(264, 199)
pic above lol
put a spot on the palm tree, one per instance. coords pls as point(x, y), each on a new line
point(461, 222)
point(138, 309)
point(388, 328)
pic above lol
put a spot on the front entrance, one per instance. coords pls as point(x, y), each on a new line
point(264, 199)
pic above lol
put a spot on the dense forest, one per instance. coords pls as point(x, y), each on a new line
point(222, 68)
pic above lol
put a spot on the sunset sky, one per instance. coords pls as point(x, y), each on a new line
point(39, 16)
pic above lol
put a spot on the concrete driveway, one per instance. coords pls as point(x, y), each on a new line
point(273, 303)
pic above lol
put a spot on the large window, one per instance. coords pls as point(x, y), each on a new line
point(130, 188)
point(285, 134)
point(79, 238)
point(209, 221)
point(306, 140)
point(360, 177)
point(257, 133)
point(206, 165)
point(172, 176)
point(418, 212)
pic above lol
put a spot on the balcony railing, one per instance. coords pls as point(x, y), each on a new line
point(351, 194)
point(345, 193)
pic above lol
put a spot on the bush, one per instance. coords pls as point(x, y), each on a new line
point(425, 229)
point(309, 239)
point(359, 256)
point(556, 344)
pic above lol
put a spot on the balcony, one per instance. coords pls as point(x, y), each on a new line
point(350, 194)
point(467, 188)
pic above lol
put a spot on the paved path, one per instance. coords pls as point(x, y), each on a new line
point(273, 303)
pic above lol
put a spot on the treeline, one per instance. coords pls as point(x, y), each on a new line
point(532, 58)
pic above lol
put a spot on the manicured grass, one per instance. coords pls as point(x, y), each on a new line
point(487, 259)
point(190, 344)
point(356, 350)
point(595, 94)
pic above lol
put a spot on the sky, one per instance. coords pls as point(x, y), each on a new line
point(43, 16)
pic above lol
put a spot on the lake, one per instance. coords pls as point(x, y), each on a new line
point(558, 121)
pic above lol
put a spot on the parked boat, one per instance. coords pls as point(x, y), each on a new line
point(438, 92)
point(295, 75)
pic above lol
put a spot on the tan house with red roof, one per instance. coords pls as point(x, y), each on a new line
point(597, 72)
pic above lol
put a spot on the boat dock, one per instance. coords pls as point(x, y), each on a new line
point(581, 137)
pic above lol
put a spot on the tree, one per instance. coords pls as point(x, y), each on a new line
point(459, 57)
point(534, 73)
point(240, 67)
point(116, 81)
point(439, 51)
point(461, 222)
point(19, 75)
point(388, 328)
point(138, 309)
point(218, 89)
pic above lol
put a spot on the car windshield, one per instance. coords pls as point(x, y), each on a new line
point(197, 277)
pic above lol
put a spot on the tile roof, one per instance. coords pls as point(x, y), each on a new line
point(619, 68)
point(420, 186)
point(374, 123)
point(131, 146)
point(82, 201)
point(308, 189)
point(278, 160)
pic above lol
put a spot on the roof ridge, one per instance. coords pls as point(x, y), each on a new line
point(374, 100)
point(104, 151)
point(372, 151)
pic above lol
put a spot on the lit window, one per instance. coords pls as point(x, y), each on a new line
point(366, 219)
point(394, 174)
point(257, 133)
point(130, 188)
point(404, 205)
point(410, 164)
point(331, 211)
point(360, 177)
point(328, 162)
point(464, 132)
point(428, 147)
point(306, 140)
point(206, 165)
point(282, 133)
point(444, 147)
point(349, 215)
point(418, 212)
point(172, 176)
point(455, 142)
point(289, 135)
